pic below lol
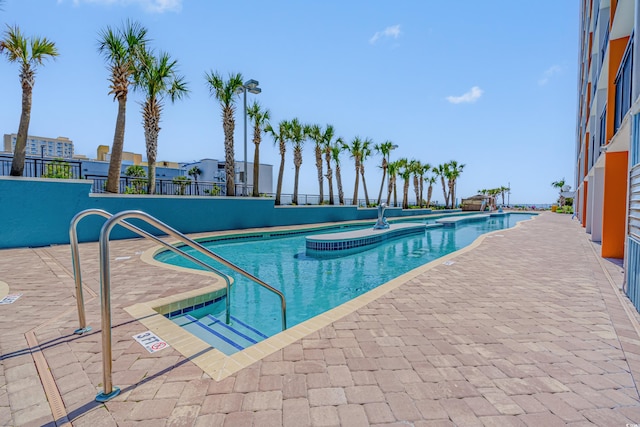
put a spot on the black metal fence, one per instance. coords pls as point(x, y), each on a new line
point(39, 167)
point(173, 187)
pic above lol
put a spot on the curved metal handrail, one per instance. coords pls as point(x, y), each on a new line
point(77, 272)
point(105, 285)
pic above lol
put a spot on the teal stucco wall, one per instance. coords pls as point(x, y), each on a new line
point(37, 212)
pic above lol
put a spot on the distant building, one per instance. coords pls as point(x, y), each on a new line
point(59, 147)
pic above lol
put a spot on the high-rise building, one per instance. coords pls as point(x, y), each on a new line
point(608, 132)
point(59, 147)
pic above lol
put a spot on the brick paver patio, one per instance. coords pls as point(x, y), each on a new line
point(529, 328)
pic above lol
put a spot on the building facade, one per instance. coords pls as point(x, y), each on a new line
point(607, 168)
point(59, 147)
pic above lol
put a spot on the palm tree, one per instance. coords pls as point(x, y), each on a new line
point(405, 171)
point(327, 144)
point(195, 172)
point(431, 180)
point(424, 169)
point(122, 49)
point(280, 137)
point(297, 135)
point(366, 152)
point(416, 169)
point(442, 170)
point(503, 190)
point(454, 172)
point(314, 133)
point(337, 148)
point(157, 78)
point(555, 184)
point(225, 92)
point(355, 151)
point(260, 119)
point(393, 168)
point(28, 53)
point(384, 149)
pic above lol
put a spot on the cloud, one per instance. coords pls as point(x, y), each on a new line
point(554, 69)
point(393, 31)
point(151, 6)
point(472, 96)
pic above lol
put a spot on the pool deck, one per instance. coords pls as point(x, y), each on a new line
point(525, 327)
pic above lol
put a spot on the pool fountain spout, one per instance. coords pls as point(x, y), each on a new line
point(381, 223)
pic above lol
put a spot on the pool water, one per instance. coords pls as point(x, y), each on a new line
point(314, 285)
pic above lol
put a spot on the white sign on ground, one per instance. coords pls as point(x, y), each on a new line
point(449, 262)
point(10, 299)
point(151, 341)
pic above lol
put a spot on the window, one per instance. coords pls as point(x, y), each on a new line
point(623, 86)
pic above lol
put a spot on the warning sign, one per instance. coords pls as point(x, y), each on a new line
point(10, 299)
point(150, 341)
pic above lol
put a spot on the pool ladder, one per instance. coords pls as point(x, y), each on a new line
point(105, 276)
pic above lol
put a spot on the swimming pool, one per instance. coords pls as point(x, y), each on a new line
point(314, 285)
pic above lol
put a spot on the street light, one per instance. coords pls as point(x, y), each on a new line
point(251, 86)
point(393, 147)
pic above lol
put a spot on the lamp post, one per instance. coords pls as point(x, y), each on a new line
point(251, 86)
point(393, 147)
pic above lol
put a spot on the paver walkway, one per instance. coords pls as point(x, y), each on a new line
point(529, 328)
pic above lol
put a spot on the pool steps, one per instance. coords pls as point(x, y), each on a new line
point(229, 339)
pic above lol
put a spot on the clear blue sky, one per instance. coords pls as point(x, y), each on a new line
point(488, 84)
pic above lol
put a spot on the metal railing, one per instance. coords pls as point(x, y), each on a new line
point(37, 167)
point(105, 276)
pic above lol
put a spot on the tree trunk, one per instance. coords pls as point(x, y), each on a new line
point(384, 175)
point(355, 186)
point(405, 194)
point(444, 191)
point(280, 172)
point(429, 194)
point(390, 189)
point(115, 162)
point(319, 167)
point(339, 182)
point(416, 189)
point(327, 157)
point(20, 152)
point(364, 186)
point(151, 131)
point(256, 163)
point(294, 200)
point(229, 151)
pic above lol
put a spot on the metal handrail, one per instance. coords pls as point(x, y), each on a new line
point(77, 273)
point(105, 285)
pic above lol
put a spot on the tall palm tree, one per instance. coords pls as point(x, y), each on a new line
point(225, 92)
point(393, 168)
point(157, 78)
point(280, 137)
point(327, 144)
point(121, 48)
point(355, 152)
point(28, 53)
point(442, 170)
point(454, 172)
point(405, 172)
point(195, 172)
point(260, 119)
point(297, 136)
point(424, 169)
point(555, 184)
point(416, 169)
point(384, 149)
point(366, 152)
point(316, 135)
point(337, 148)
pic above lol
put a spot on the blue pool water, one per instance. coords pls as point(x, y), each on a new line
point(314, 285)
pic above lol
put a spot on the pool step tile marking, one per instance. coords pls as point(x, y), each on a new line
point(227, 338)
